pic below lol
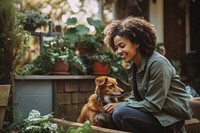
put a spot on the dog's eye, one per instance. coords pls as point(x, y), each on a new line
point(111, 86)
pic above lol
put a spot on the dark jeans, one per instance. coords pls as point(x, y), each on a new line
point(133, 120)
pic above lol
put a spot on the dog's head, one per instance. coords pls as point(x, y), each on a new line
point(107, 89)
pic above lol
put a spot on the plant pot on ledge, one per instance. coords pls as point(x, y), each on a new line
point(101, 62)
point(100, 68)
point(60, 68)
point(4, 96)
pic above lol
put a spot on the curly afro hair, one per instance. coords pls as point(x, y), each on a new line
point(136, 29)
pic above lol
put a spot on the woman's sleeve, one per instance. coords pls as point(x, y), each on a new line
point(160, 73)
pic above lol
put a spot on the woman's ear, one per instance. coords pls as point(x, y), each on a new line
point(137, 45)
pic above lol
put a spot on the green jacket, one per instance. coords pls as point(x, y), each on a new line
point(162, 92)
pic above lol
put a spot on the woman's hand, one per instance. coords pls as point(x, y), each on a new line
point(110, 107)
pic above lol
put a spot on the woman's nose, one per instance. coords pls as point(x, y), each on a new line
point(118, 51)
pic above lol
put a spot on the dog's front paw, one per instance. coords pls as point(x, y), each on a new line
point(101, 117)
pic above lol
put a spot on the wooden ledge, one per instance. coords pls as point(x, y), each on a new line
point(54, 77)
point(192, 121)
point(95, 129)
point(192, 125)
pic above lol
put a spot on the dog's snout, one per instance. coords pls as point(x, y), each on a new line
point(118, 91)
point(121, 90)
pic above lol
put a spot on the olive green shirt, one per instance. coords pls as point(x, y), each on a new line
point(162, 92)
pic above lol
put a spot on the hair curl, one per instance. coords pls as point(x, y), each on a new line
point(136, 29)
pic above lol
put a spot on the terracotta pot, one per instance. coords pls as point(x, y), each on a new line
point(4, 96)
point(195, 106)
point(100, 69)
point(60, 68)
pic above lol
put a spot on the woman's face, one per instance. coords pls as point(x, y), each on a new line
point(125, 48)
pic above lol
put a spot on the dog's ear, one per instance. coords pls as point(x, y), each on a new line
point(100, 81)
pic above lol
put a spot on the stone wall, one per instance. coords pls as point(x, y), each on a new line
point(70, 96)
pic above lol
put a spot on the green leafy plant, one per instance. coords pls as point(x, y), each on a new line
point(104, 57)
point(13, 41)
point(31, 20)
point(59, 50)
point(40, 66)
point(117, 70)
point(80, 34)
point(36, 123)
point(55, 50)
point(85, 128)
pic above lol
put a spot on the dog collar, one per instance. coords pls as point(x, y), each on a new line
point(100, 101)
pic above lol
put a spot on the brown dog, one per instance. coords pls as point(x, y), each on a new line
point(106, 91)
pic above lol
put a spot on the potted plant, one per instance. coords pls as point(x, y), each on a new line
point(59, 56)
point(31, 20)
point(82, 37)
point(101, 62)
point(55, 51)
point(110, 61)
point(13, 40)
point(4, 96)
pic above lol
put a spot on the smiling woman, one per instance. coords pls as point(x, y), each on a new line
point(158, 98)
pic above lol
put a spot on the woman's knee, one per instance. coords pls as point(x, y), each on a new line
point(118, 113)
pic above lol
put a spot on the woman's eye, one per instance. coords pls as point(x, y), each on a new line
point(121, 45)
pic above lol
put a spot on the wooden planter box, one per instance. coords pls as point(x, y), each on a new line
point(192, 126)
point(95, 129)
point(4, 96)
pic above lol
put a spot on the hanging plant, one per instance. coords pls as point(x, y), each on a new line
point(31, 20)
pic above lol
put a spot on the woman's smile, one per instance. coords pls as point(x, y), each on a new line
point(123, 55)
